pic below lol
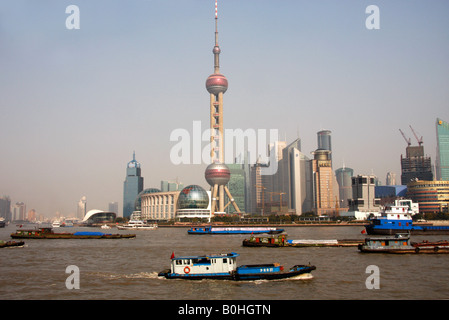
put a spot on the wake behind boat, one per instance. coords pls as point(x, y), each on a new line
point(224, 267)
point(233, 230)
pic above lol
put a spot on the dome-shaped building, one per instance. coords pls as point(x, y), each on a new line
point(193, 202)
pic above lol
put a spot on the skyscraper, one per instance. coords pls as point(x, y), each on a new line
point(344, 176)
point(442, 160)
point(217, 173)
point(5, 208)
point(132, 186)
point(324, 140)
point(323, 189)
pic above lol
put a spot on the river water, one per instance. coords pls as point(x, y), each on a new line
point(123, 269)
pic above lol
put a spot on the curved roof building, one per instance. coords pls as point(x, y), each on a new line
point(99, 216)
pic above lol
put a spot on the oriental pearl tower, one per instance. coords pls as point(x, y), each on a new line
point(217, 173)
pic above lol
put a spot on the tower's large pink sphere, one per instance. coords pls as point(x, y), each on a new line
point(217, 173)
point(216, 83)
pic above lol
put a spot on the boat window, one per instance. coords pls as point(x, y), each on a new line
point(225, 260)
point(178, 262)
point(186, 261)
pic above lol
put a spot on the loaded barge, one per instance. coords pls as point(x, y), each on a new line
point(224, 267)
point(282, 241)
point(400, 243)
point(233, 230)
point(48, 233)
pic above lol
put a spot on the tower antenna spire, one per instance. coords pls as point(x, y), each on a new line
point(216, 49)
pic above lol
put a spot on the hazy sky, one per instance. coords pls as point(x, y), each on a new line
point(75, 104)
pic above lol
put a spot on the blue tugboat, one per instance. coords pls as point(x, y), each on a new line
point(398, 219)
point(224, 267)
point(234, 230)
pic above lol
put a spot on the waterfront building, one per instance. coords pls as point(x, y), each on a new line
point(364, 202)
point(325, 200)
point(432, 196)
point(442, 160)
point(415, 165)
point(98, 217)
point(217, 174)
point(81, 208)
point(132, 186)
point(159, 205)
point(344, 180)
point(194, 202)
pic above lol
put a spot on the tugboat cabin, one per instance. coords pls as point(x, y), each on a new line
point(220, 264)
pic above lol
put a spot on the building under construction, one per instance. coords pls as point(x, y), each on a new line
point(415, 165)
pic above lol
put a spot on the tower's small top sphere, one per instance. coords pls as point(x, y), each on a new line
point(216, 83)
point(217, 173)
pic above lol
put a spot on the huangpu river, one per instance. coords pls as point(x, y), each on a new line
point(127, 269)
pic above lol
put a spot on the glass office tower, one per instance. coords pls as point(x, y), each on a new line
point(132, 186)
point(442, 161)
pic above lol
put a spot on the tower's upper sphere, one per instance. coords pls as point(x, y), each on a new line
point(216, 50)
point(217, 173)
point(216, 83)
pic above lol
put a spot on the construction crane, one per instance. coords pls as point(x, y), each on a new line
point(418, 139)
point(409, 142)
point(280, 198)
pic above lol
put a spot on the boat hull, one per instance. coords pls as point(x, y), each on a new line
point(245, 276)
point(430, 230)
point(70, 236)
point(233, 231)
point(9, 244)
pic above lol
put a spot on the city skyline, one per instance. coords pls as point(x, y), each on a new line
point(79, 102)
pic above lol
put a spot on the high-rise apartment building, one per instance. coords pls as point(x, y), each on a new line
point(442, 160)
point(132, 186)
